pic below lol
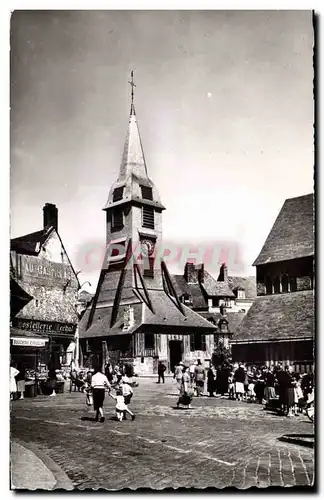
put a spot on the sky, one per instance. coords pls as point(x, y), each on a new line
point(224, 102)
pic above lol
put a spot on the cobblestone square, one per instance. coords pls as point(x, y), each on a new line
point(218, 443)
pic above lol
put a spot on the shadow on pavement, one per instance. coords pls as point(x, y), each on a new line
point(89, 419)
point(306, 440)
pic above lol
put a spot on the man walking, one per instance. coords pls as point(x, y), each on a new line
point(161, 370)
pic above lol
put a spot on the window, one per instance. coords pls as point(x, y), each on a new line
point(197, 342)
point(224, 327)
point(276, 284)
point(215, 302)
point(118, 194)
point(241, 294)
point(117, 220)
point(268, 285)
point(186, 299)
point(285, 283)
point(147, 193)
point(36, 302)
point(149, 341)
point(293, 284)
point(148, 217)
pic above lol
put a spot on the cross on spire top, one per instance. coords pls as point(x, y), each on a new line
point(132, 84)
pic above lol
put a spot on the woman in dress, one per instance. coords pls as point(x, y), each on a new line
point(239, 378)
point(13, 385)
point(186, 392)
point(211, 380)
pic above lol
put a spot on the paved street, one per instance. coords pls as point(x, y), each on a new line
point(217, 443)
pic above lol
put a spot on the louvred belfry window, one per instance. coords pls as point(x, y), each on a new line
point(148, 263)
point(118, 194)
point(147, 193)
point(148, 217)
point(117, 220)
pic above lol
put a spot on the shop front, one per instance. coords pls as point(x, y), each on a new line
point(41, 349)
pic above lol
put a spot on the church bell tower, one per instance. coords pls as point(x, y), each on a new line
point(134, 213)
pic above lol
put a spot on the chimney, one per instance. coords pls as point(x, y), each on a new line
point(190, 273)
point(201, 271)
point(50, 216)
point(223, 273)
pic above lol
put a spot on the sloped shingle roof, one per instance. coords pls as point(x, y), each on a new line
point(27, 244)
point(292, 235)
point(274, 317)
point(248, 283)
point(233, 319)
point(193, 289)
point(216, 288)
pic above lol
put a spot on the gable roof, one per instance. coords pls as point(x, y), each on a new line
point(31, 243)
point(233, 319)
point(192, 289)
point(292, 235)
point(214, 288)
point(275, 317)
point(248, 283)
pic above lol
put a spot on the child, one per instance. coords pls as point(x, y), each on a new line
point(231, 392)
point(251, 392)
point(121, 407)
point(298, 396)
point(127, 392)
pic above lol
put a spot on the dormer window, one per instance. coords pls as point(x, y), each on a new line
point(186, 299)
point(241, 294)
point(118, 193)
point(117, 219)
point(148, 217)
point(147, 193)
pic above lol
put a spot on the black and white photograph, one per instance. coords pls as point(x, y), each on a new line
point(162, 250)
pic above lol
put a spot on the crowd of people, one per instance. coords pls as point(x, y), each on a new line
point(277, 384)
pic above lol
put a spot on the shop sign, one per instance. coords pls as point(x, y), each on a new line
point(37, 267)
point(29, 342)
point(44, 326)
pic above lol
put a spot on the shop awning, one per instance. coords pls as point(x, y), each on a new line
point(24, 338)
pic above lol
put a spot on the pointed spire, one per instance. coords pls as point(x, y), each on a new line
point(133, 160)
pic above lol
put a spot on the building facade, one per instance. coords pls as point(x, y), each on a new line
point(280, 324)
point(45, 284)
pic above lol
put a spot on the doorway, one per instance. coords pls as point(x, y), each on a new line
point(175, 353)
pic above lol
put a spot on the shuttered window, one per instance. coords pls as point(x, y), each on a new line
point(147, 192)
point(117, 220)
point(118, 194)
point(192, 343)
point(198, 342)
point(148, 217)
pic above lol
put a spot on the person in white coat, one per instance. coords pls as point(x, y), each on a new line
point(13, 384)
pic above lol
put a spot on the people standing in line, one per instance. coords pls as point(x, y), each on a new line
point(99, 383)
point(211, 380)
point(161, 370)
point(13, 384)
point(178, 372)
point(239, 378)
point(192, 369)
point(186, 393)
point(121, 407)
point(199, 378)
point(21, 381)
